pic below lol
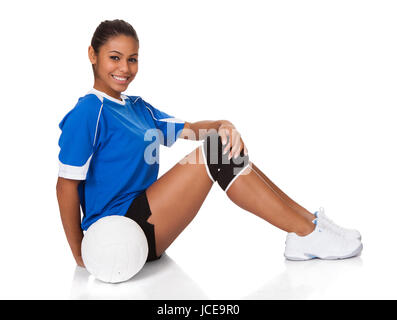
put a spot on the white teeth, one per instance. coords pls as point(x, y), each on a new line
point(118, 78)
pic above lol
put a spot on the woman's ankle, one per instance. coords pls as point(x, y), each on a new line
point(305, 229)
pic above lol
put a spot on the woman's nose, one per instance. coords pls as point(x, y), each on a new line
point(123, 66)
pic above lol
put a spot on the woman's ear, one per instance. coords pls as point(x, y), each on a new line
point(92, 55)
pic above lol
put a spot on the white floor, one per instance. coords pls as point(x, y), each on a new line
point(243, 261)
point(225, 253)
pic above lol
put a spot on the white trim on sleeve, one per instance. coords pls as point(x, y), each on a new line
point(171, 120)
point(74, 172)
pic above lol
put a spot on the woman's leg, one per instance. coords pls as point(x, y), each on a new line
point(250, 192)
point(298, 208)
point(176, 197)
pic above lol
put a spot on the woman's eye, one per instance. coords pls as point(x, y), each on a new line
point(116, 58)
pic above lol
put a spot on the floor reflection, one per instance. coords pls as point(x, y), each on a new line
point(160, 279)
point(305, 279)
point(164, 279)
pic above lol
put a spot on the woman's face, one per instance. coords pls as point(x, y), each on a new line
point(116, 64)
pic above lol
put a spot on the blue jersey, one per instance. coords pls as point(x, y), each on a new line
point(113, 147)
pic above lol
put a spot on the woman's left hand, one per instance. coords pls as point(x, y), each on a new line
point(235, 143)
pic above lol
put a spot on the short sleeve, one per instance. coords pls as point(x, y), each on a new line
point(79, 133)
point(170, 127)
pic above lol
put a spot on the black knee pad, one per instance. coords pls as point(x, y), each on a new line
point(222, 169)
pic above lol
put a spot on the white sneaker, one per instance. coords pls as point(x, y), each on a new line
point(328, 223)
point(322, 243)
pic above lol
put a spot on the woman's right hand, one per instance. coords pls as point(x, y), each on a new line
point(79, 261)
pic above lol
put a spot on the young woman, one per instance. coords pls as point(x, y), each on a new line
point(109, 165)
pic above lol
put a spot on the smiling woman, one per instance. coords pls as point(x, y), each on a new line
point(114, 57)
point(105, 142)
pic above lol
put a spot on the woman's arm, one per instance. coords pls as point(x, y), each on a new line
point(69, 207)
point(198, 130)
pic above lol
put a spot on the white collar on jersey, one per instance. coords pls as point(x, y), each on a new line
point(102, 95)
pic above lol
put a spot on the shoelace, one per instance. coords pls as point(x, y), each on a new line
point(332, 223)
point(324, 226)
point(333, 234)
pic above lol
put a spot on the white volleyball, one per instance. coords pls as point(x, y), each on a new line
point(114, 249)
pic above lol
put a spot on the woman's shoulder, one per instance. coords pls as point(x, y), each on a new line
point(88, 104)
point(89, 99)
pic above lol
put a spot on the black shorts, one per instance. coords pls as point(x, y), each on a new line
point(139, 211)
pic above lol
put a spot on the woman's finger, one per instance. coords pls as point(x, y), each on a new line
point(236, 149)
point(223, 135)
point(236, 144)
point(226, 148)
point(245, 150)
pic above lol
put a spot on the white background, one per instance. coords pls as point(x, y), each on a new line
point(310, 85)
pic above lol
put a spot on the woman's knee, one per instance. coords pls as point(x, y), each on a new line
point(219, 166)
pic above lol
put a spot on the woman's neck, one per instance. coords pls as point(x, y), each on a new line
point(110, 92)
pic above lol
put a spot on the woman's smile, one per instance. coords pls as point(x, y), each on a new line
point(120, 79)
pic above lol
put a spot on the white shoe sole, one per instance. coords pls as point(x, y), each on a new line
point(307, 256)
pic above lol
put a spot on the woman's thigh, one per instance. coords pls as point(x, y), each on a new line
point(176, 197)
